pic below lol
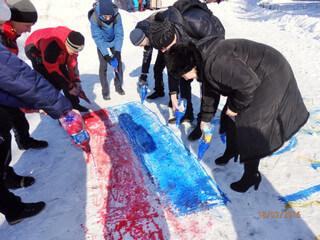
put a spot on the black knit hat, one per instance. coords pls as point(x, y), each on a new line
point(22, 11)
point(182, 58)
point(137, 36)
point(161, 32)
point(106, 7)
point(75, 41)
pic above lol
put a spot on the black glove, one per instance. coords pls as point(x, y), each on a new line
point(117, 54)
point(143, 80)
point(112, 60)
point(108, 58)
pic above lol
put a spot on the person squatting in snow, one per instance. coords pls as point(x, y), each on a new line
point(264, 107)
point(53, 53)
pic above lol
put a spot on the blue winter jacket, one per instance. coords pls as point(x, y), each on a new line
point(9, 100)
point(109, 36)
point(20, 81)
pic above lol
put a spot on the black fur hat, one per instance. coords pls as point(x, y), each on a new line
point(182, 58)
point(161, 32)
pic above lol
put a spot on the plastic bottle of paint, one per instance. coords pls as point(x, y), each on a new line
point(143, 93)
point(205, 139)
point(72, 123)
point(182, 106)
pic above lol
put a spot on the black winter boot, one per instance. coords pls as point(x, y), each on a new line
point(231, 142)
point(120, 91)
point(19, 182)
point(246, 181)
point(225, 158)
point(185, 118)
point(155, 95)
point(32, 143)
point(15, 181)
point(250, 177)
point(29, 210)
point(196, 133)
point(106, 97)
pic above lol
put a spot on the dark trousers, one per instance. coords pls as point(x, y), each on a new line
point(10, 205)
point(20, 125)
point(103, 73)
point(158, 68)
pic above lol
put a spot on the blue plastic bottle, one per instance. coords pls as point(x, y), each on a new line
point(143, 93)
point(205, 139)
point(182, 106)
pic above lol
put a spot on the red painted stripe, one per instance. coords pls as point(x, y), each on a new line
point(126, 205)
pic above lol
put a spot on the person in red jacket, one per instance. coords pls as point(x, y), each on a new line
point(23, 17)
point(53, 53)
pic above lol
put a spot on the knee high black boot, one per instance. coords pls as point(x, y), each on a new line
point(250, 177)
point(231, 142)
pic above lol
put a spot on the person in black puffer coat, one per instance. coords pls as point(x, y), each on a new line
point(186, 20)
point(264, 106)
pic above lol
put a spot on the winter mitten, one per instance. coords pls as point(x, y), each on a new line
point(117, 54)
point(108, 58)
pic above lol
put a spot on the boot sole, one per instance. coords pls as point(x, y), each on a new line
point(17, 221)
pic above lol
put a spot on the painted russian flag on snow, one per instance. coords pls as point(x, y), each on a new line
point(142, 167)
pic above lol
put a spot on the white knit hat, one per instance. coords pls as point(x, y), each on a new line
point(5, 13)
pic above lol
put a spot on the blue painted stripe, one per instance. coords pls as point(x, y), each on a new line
point(292, 144)
point(181, 181)
point(301, 194)
point(315, 165)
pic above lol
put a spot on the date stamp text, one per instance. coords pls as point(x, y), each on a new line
point(281, 214)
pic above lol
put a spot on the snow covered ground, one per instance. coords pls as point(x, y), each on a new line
point(311, 6)
point(72, 188)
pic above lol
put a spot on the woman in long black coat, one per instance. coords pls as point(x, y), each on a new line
point(264, 107)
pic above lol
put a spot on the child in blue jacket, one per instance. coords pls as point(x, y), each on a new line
point(107, 32)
